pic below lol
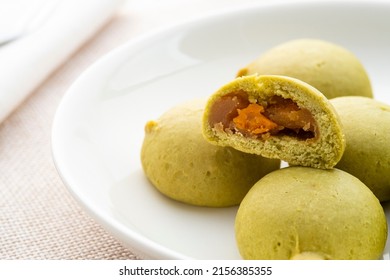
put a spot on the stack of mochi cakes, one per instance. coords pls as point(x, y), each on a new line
point(309, 105)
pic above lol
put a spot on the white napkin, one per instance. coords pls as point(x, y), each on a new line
point(25, 63)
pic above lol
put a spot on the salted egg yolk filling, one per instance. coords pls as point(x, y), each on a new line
point(234, 113)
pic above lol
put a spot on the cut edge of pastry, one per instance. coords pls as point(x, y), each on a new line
point(276, 117)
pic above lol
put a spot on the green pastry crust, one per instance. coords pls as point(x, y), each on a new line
point(332, 69)
point(182, 165)
point(366, 125)
point(275, 117)
point(309, 213)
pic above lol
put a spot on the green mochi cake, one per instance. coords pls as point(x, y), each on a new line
point(275, 117)
point(332, 69)
point(309, 213)
point(182, 165)
point(366, 125)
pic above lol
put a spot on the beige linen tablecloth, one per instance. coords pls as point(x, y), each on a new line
point(39, 219)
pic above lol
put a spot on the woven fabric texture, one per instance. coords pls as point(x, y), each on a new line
point(39, 219)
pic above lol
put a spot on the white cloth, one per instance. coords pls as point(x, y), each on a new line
point(25, 63)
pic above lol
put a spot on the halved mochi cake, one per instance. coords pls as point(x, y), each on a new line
point(275, 117)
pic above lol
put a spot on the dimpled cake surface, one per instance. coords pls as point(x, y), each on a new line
point(182, 165)
point(331, 68)
point(366, 125)
point(309, 213)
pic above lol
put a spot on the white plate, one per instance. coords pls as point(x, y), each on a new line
point(98, 129)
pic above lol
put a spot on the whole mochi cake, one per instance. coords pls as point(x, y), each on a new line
point(310, 213)
point(331, 68)
point(182, 165)
point(366, 125)
point(275, 117)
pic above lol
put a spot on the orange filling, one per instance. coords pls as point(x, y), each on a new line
point(251, 120)
point(234, 113)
